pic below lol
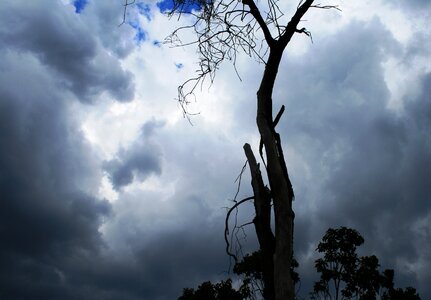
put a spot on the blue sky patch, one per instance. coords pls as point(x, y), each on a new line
point(165, 5)
point(144, 9)
point(189, 5)
point(140, 35)
point(79, 5)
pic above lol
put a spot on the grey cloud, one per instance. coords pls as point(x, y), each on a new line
point(105, 17)
point(198, 255)
point(64, 43)
point(157, 269)
point(177, 239)
point(47, 177)
point(369, 165)
point(381, 185)
point(416, 5)
point(140, 160)
point(174, 243)
point(49, 216)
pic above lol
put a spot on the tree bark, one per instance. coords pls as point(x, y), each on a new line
point(262, 224)
point(278, 180)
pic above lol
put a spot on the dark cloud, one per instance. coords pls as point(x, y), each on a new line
point(369, 165)
point(380, 185)
point(353, 162)
point(104, 17)
point(175, 234)
point(416, 5)
point(47, 212)
point(63, 43)
point(50, 223)
point(174, 243)
point(158, 268)
point(140, 160)
point(197, 254)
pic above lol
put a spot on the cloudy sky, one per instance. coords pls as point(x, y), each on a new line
point(107, 192)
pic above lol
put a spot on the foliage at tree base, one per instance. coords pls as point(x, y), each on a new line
point(343, 275)
point(218, 291)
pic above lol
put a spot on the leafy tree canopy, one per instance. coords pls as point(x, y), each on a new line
point(219, 291)
point(343, 275)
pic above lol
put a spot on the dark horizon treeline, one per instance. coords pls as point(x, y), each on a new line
point(343, 275)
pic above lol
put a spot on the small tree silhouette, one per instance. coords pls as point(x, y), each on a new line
point(223, 29)
point(344, 275)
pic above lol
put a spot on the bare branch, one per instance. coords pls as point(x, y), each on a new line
point(226, 231)
point(126, 4)
point(326, 6)
point(223, 29)
point(291, 27)
point(306, 32)
point(238, 179)
point(256, 14)
point(246, 224)
point(279, 114)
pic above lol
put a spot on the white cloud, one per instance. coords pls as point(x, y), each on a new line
point(337, 91)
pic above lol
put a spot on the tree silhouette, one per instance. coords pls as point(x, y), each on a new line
point(249, 269)
point(219, 291)
point(339, 261)
point(344, 275)
point(223, 29)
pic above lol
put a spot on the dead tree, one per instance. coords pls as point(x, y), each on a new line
point(223, 29)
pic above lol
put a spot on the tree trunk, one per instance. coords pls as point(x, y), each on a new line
point(262, 223)
point(281, 188)
point(279, 182)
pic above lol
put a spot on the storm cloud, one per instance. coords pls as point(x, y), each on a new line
point(142, 159)
point(62, 42)
point(106, 192)
point(366, 165)
point(47, 178)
